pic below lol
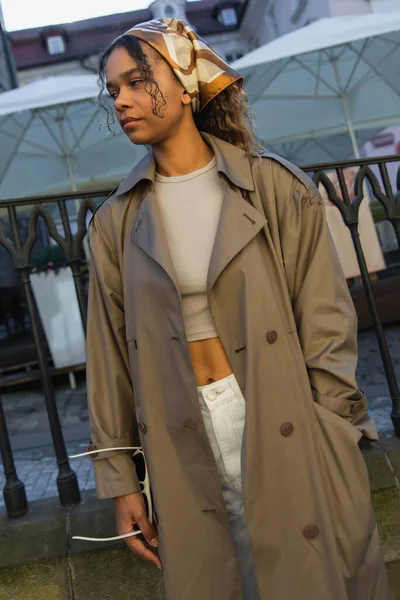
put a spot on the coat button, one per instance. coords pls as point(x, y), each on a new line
point(90, 448)
point(311, 531)
point(272, 336)
point(357, 408)
point(190, 424)
point(142, 427)
point(287, 429)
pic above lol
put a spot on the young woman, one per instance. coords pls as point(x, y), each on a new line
point(222, 339)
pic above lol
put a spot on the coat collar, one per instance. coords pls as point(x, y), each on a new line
point(232, 161)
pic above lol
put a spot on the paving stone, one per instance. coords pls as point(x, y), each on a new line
point(393, 570)
point(387, 508)
point(70, 420)
point(380, 475)
point(29, 424)
point(129, 577)
point(39, 581)
point(75, 408)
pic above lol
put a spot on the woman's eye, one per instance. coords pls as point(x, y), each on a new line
point(113, 95)
point(134, 82)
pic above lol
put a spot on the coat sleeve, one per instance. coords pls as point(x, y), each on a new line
point(110, 393)
point(323, 309)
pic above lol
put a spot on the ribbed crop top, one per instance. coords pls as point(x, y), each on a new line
point(190, 206)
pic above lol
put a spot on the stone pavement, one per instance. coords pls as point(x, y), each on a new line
point(371, 376)
point(34, 457)
point(33, 453)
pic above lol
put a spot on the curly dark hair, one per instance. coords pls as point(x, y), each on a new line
point(227, 116)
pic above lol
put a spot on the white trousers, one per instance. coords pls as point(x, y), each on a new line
point(223, 409)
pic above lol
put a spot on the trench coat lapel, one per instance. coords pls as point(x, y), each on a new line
point(239, 223)
point(149, 234)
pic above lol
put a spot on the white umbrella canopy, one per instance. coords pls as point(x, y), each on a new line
point(52, 139)
point(337, 75)
point(321, 149)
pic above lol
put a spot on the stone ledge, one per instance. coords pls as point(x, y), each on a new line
point(377, 456)
point(393, 570)
point(112, 574)
point(44, 533)
point(380, 475)
point(383, 464)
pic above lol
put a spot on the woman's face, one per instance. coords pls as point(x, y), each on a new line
point(133, 104)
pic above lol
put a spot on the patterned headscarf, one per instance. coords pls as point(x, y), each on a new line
point(201, 71)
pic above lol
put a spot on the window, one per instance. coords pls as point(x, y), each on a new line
point(55, 44)
point(383, 139)
point(169, 11)
point(232, 56)
point(298, 7)
point(273, 23)
point(228, 17)
point(309, 21)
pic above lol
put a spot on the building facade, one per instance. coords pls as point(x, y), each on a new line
point(8, 78)
point(233, 27)
point(73, 48)
point(266, 20)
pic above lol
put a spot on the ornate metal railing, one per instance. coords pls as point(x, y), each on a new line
point(19, 221)
point(20, 244)
point(348, 203)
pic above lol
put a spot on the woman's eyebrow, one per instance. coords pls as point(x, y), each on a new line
point(125, 75)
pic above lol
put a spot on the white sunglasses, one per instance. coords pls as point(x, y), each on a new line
point(142, 473)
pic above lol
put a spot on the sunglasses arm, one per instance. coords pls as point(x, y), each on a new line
point(109, 539)
point(117, 537)
point(105, 450)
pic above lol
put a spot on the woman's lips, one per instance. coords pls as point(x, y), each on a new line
point(130, 123)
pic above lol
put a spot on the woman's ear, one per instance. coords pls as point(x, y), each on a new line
point(186, 99)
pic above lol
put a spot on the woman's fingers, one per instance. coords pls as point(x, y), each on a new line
point(130, 510)
point(139, 548)
point(148, 531)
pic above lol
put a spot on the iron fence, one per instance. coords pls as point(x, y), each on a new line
point(373, 172)
point(27, 223)
point(56, 213)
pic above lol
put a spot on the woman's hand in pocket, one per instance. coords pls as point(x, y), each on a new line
point(130, 510)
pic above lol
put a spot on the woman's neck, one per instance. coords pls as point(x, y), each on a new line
point(182, 154)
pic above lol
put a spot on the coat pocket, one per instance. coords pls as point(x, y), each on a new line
point(347, 489)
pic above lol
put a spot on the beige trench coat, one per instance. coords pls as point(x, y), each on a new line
point(282, 310)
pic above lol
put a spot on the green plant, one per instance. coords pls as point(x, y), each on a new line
point(50, 258)
point(378, 212)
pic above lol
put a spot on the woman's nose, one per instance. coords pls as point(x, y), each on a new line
point(123, 101)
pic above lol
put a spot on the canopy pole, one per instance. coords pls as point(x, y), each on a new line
point(85, 243)
point(345, 104)
point(350, 127)
point(60, 118)
point(67, 157)
point(74, 187)
point(70, 173)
